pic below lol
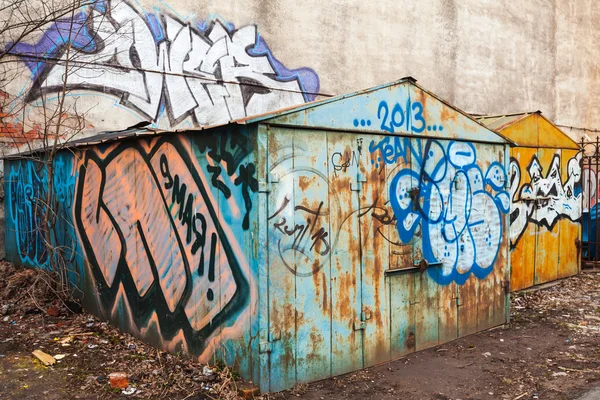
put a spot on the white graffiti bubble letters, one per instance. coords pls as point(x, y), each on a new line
point(206, 76)
point(545, 199)
point(457, 207)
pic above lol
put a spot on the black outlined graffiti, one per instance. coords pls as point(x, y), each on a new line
point(207, 73)
point(545, 200)
point(305, 237)
point(147, 222)
point(232, 150)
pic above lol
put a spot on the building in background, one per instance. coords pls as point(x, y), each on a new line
point(183, 65)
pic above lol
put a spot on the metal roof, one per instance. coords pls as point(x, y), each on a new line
point(499, 122)
point(141, 129)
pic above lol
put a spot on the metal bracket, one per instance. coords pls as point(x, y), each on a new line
point(273, 178)
point(357, 187)
point(424, 264)
point(267, 186)
point(359, 325)
point(264, 187)
point(267, 347)
point(414, 196)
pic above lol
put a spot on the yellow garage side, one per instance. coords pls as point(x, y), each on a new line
point(545, 188)
point(552, 137)
point(522, 130)
point(522, 233)
point(569, 230)
point(548, 234)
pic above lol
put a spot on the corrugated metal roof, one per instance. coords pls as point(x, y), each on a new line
point(498, 122)
point(107, 137)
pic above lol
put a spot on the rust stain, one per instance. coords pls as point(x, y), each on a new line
point(345, 307)
point(288, 314)
point(448, 114)
point(315, 277)
point(274, 317)
point(410, 340)
point(304, 183)
point(325, 302)
point(299, 318)
point(315, 340)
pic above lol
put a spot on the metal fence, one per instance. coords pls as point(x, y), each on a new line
point(590, 242)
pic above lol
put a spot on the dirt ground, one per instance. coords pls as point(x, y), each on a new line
point(550, 350)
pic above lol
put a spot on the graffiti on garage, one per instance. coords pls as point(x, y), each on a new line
point(544, 200)
point(206, 73)
point(27, 199)
point(457, 205)
point(149, 223)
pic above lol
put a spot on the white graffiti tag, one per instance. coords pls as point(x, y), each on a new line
point(206, 75)
point(545, 200)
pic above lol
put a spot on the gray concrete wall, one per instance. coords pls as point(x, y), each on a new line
point(484, 56)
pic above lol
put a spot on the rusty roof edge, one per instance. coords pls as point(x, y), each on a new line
point(523, 115)
point(99, 138)
point(464, 113)
point(506, 115)
point(514, 121)
point(577, 146)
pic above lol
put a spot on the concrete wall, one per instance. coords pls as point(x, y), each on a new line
point(484, 56)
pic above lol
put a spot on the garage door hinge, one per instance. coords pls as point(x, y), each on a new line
point(267, 185)
point(357, 187)
point(264, 187)
point(267, 347)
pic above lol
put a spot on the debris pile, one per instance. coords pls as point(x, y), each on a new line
point(90, 356)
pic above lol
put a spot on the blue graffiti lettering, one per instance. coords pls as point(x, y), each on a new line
point(410, 118)
point(392, 148)
point(457, 207)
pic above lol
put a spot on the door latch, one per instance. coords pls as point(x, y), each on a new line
point(360, 325)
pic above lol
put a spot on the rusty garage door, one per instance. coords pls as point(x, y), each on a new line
point(378, 246)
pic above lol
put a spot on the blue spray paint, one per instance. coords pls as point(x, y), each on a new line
point(456, 205)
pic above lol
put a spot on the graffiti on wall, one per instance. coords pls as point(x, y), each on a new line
point(447, 198)
point(545, 200)
point(151, 226)
point(27, 199)
point(206, 73)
